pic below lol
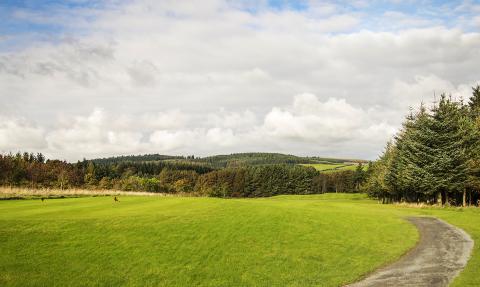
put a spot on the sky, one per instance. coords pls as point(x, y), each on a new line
point(85, 79)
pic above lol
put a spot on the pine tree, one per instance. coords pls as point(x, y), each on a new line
point(471, 140)
point(449, 165)
point(474, 102)
point(359, 176)
point(376, 184)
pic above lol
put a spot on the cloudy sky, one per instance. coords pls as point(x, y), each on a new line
point(98, 78)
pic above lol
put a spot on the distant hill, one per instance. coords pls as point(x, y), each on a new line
point(230, 160)
point(136, 158)
point(253, 158)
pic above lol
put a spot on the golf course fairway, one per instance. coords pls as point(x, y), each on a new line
point(314, 240)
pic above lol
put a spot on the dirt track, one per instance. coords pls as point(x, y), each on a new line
point(440, 255)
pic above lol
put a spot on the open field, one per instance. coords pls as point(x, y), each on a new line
point(322, 240)
point(324, 166)
point(333, 167)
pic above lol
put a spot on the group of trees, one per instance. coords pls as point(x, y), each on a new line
point(252, 158)
point(170, 175)
point(259, 181)
point(434, 158)
point(34, 171)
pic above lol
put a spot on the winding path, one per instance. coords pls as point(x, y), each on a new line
point(440, 255)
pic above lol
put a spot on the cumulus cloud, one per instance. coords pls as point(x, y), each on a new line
point(17, 134)
point(305, 121)
point(425, 89)
point(332, 123)
point(174, 77)
point(237, 120)
point(310, 119)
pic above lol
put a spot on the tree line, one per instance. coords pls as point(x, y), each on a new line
point(34, 171)
point(252, 158)
point(435, 157)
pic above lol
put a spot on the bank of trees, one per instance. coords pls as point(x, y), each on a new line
point(171, 176)
point(252, 158)
point(434, 158)
point(259, 181)
point(34, 171)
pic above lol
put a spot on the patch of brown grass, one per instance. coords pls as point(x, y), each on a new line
point(18, 192)
point(436, 205)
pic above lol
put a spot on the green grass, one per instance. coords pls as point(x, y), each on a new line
point(333, 167)
point(324, 166)
point(319, 240)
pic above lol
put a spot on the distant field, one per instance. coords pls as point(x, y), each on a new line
point(332, 167)
point(319, 240)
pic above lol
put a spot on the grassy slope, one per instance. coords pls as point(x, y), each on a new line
point(324, 166)
point(323, 240)
point(333, 167)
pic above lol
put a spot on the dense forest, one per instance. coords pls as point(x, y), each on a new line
point(435, 157)
point(138, 158)
point(257, 158)
point(263, 175)
point(244, 159)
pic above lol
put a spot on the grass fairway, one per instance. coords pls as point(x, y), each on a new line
point(322, 240)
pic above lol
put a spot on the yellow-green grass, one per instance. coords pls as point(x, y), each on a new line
point(324, 166)
point(320, 240)
point(333, 167)
point(31, 193)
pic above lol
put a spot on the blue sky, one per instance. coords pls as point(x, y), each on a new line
point(328, 78)
point(13, 23)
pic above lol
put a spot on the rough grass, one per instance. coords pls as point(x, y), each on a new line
point(32, 193)
point(317, 240)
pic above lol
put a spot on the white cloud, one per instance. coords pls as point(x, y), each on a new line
point(397, 20)
point(425, 89)
point(19, 135)
point(329, 122)
point(476, 21)
point(172, 77)
point(304, 122)
point(91, 135)
point(237, 120)
point(172, 140)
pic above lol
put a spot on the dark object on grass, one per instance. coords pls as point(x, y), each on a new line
point(116, 199)
point(43, 199)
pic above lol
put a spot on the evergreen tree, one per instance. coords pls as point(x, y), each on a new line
point(90, 176)
point(359, 176)
point(449, 163)
point(436, 155)
point(474, 102)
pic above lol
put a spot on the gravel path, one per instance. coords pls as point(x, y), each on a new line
point(440, 255)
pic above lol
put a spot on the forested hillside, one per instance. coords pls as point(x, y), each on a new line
point(236, 175)
point(244, 159)
point(230, 160)
point(136, 158)
point(434, 158)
